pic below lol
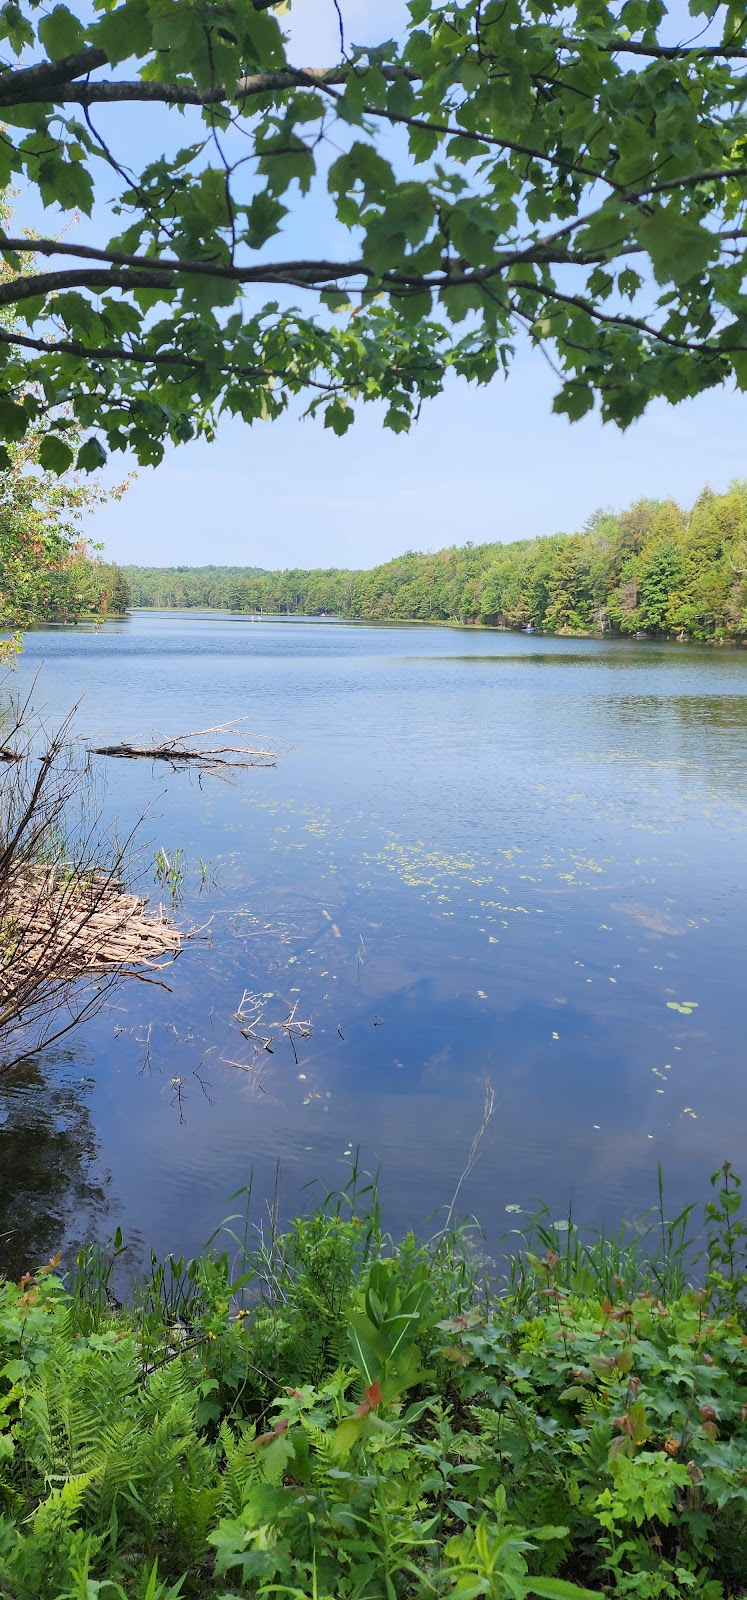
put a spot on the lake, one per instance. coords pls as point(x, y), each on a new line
point(480, 856)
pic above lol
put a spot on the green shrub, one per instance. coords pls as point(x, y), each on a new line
point(327, 1416)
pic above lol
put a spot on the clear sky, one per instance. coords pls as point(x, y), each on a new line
point(481, 464)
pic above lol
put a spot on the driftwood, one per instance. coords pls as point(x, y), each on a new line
point(69, 929)
point(181, 751)
point(83, 925)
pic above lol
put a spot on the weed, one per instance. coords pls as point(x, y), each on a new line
point(325, 1414)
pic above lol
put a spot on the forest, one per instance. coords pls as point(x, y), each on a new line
point(653, 569)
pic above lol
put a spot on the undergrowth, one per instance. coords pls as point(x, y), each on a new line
point(327, 1415)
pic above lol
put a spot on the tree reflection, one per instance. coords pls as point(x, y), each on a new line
point(50, 1193)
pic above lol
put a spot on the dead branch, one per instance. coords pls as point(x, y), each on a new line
point(69, 928)
point(181, 750)
point(85, 925)
point(263, 1035)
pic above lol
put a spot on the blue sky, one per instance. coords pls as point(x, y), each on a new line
point(481, 464)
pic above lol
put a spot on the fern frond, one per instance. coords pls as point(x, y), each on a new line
point(241, 1468)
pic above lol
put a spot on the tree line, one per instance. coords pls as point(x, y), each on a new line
point(653, 569)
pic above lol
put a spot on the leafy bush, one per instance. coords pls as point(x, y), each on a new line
point(326, 1414)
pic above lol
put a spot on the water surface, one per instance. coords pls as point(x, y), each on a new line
point(482, 855)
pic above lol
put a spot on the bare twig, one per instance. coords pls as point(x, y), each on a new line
point(69, 929)
point(181, 750)
point(474, 1152)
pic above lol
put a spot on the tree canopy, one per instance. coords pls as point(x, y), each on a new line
point(654, 568)
point(571, 173)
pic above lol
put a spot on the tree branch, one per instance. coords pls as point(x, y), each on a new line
point(663, 52)
point(156, 358)
point(34, 83)
point(615, 319)
point(17, 89)
point(165, 275)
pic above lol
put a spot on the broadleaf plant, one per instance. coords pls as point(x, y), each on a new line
point(506, 170)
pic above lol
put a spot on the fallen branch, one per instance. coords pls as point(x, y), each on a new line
point(81, 926)
point(253, 1028)
point(180, 751)
point(70, 931)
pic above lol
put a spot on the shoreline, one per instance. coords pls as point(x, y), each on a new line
point(734, 642)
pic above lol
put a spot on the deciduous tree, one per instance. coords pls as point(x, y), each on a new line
point(574, 173)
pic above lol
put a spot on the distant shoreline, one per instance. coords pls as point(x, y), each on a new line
point(397, 621)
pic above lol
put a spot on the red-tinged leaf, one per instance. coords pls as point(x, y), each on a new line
point(281, 1426)
point(603, 1365)
point(373, 1398)
point(452, 1352)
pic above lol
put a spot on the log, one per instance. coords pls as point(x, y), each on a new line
point(181, 749)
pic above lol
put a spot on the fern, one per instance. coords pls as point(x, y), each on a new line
point(322, 1442)
point(61, 1506)
point(241, 1468)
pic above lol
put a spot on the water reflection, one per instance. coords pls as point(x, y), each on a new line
point(515, 870)
point(48, 1161)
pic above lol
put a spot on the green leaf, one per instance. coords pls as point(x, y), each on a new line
point(91, 455)
point(15, 1370)
point(264, 215)
point(61, 33)
point(362, 164)
point(203, 292)
point(54, 454)
point(14, 420)
point(558, 1589)
point(339, 417)
point(64, 183)
point(284, 158)
point(276, 1457)
point(679, 246)
point(335, 299)
point(211, 198)
point(575, 400)
point(414, 307)
point(347, 1434)
point(124, 32)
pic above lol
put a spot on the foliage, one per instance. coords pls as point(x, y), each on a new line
point(569, 174)
point(323, 1414)
point(654, 568)
point(48, 571)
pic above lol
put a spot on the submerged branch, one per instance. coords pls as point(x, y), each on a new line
point(180, 750)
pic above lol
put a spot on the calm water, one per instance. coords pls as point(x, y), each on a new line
point(482, 855)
